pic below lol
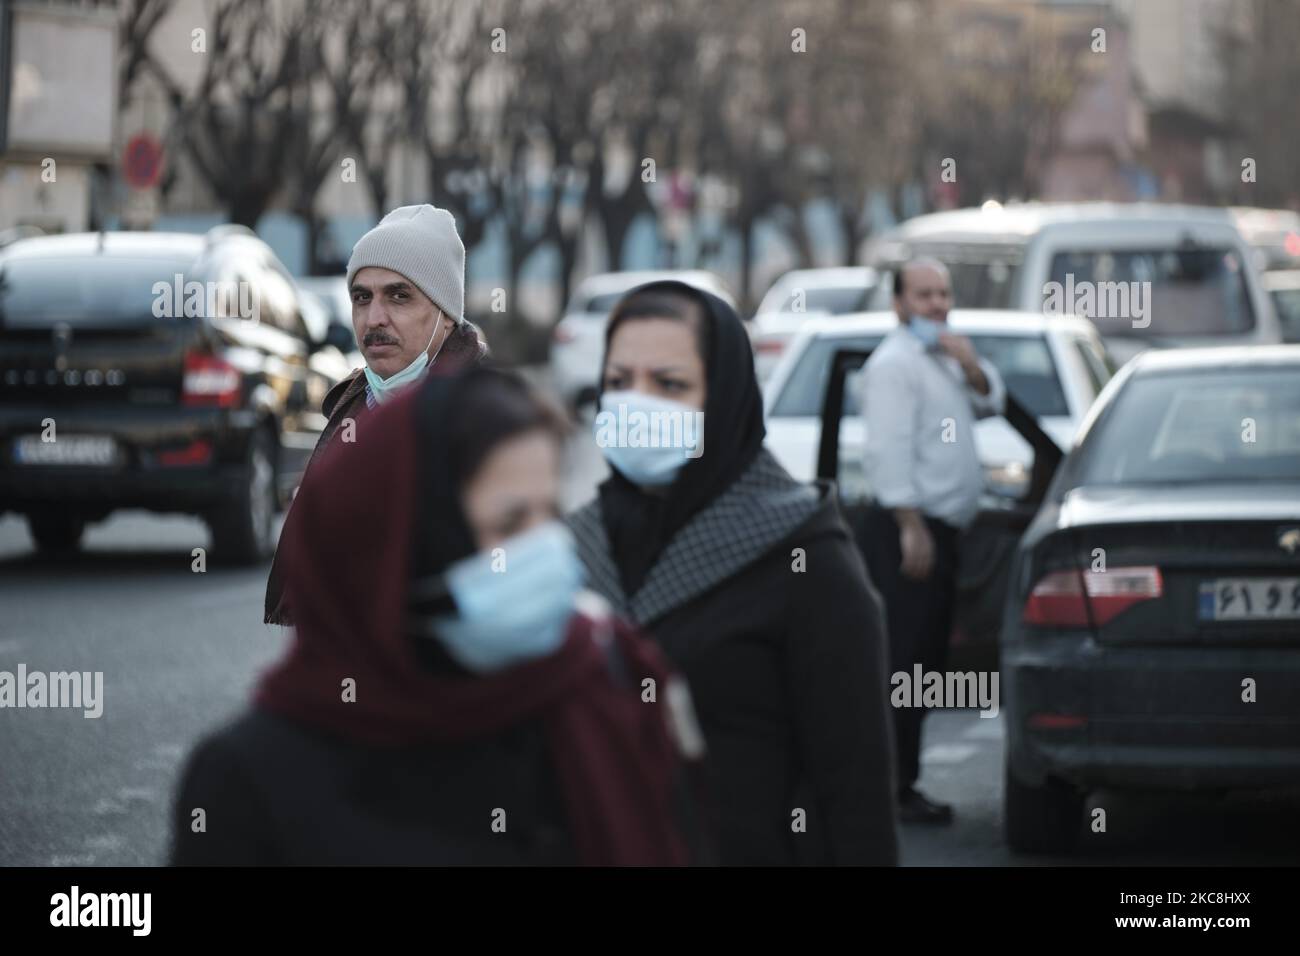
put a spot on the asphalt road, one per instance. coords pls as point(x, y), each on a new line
point(180, 652)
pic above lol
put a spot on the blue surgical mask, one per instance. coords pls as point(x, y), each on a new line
point(385, 388)
point(646, 438)
point(927, 330)
point(513, 602)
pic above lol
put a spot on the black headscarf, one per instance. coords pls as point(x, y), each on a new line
point(447, 536)
point(640, 525)
point(479, 407)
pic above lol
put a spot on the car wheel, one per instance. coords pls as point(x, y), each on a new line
point(1041, 819)
point(56, 533)
point(243, 529)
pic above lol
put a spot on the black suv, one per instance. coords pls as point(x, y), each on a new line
point(172, 372)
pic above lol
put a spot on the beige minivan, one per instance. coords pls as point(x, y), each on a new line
point(1147, 275)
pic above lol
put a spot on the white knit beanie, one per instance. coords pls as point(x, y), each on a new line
point(421, 243)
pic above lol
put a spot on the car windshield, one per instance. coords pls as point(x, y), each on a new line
point(85, 291)
point(982, 285)
point(1203, 426)
point(1153, 292)
point(982, 278)
point(835, 300)
point(1024, 362)
point(602, 303)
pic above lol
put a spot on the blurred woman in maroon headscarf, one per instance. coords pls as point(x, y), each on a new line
point(451, 695)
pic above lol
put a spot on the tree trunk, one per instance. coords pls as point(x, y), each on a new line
point(379, 193)
point(852, 233)
point(797, 230)
point(568, 249)
point(246, 207)
point(313, 224)
point(746, 262)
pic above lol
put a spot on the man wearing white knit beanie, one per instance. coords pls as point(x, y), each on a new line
point(406, 279)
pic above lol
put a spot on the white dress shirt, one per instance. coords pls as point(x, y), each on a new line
point(920, 415)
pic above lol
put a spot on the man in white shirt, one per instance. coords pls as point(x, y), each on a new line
point(922, 391)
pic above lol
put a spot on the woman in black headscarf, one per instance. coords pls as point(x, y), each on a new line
point(750, 582)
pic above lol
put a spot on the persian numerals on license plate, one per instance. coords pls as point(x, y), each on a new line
point(1249, 599)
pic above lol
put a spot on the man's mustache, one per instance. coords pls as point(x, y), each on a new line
point(378, 338)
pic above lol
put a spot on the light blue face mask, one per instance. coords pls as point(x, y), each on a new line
point(927, 330)
point(647, 438)
point(385, 388)
point(513, 602)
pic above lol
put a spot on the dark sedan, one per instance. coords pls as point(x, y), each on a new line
point(163, 371)
point(1151, 637)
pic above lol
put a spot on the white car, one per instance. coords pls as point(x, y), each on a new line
point(578, 343)
point(1186, 269)
point(1053, 365)
point(799, 295)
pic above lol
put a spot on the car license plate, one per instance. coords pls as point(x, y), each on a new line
point(92, 450)
point(1250, 599)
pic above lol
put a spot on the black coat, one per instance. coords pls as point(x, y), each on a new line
point(788, 674)
point(277, 793)
point(465, 346)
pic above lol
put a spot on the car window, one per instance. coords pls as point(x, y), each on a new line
point(836, 301)
point(91, 291)
point(982, 285)
point(1219, 425)
point(805, 389)
point(978, 282)
point(277, 301)
point(1027, 369)
point(1287, 304)
point(1153, 292)
point(1024, 362)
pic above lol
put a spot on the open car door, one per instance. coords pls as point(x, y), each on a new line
point(988, 544)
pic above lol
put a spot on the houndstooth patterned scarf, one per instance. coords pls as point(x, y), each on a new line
point(737, 528)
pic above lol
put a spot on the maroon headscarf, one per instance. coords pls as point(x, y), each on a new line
point(349, 582)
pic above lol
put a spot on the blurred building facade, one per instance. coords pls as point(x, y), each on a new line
point(1146, 121)
point(1143, 121)
point(58, 100)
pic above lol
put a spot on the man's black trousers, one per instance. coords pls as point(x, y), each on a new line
point(918, 617)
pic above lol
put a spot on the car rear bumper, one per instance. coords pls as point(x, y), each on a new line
point(1153, 718)
point(170, 459)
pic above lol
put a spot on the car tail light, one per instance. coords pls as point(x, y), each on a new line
point(769, 346)
point(1057, 601)
point(1118, 589)
point(1048, 721)
point(197, 452)
point(1072, 599)
point(210, 380)
point(1292, 244)
point(563, 333)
